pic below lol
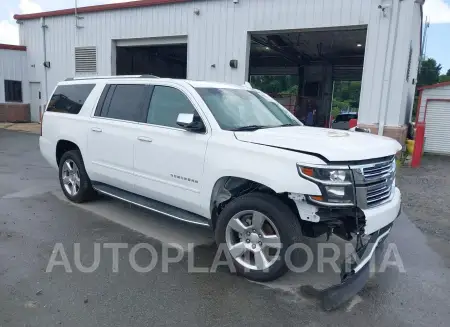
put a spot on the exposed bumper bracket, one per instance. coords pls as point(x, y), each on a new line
point(354, 275)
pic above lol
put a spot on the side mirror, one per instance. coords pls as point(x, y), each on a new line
point(190, 122)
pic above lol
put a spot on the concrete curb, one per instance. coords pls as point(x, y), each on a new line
point(34, 128)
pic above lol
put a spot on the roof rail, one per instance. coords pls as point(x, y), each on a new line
point(109, 77)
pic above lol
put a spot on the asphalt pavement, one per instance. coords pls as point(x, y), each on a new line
point(34, 217)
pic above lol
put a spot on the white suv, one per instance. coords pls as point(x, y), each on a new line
point(224, 156)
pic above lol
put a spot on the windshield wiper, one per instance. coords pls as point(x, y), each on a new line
point(248, 128)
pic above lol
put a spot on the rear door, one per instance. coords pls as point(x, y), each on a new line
point(168, 159)
point(113, 131)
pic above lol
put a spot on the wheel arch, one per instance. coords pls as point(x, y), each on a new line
point(227, 188)
point(62, 146)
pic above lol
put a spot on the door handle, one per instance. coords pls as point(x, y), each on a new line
point(145, 139)
point(96, 129)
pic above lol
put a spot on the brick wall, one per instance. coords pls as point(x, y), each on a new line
point(14, 112)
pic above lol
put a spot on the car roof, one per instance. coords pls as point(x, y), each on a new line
point(149, 78)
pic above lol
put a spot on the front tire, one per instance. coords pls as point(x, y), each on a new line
point(257, 229)
point(74, 179)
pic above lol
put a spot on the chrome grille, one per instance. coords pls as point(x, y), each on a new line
point(375, 182)
point(378, 193)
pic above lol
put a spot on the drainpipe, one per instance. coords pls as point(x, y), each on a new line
point(44, 47)
point(384, 109)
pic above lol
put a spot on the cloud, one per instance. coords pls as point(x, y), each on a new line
point(9, 32)
point(437, 11)
point(29, 7)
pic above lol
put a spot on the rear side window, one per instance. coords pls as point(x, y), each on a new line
point(166, 104)
point(69, 99)
point(125, 102)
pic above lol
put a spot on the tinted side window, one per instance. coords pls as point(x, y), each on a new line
point(165, 106)
point(69, 98)
point(127, 102)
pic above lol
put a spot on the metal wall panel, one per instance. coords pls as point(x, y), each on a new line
point(13, 67)
point(437, 127)
point(215, 36)
point(220, 33)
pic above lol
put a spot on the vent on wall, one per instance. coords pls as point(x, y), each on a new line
point(85, 60)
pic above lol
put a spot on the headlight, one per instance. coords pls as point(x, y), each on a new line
point(336, 185)
point(327, 176)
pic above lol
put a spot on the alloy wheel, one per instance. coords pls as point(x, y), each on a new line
point(71, 177)
point(253, 240)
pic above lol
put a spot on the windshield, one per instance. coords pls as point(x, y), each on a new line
point(236, 108)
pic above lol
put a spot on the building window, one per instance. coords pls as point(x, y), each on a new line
point(13, 91)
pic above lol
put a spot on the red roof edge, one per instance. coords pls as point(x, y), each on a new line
point(12, 47)
point(433, 86)
point(89, 9)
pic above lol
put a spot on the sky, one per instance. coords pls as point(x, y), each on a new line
point(438, 12)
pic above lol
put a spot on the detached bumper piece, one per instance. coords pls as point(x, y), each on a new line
point(354, 275)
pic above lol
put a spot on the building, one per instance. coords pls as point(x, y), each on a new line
point(14, 98)
point(433, 120)
point(318, 42)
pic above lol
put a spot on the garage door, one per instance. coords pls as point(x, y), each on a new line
point(437, 127)
point(347, 73)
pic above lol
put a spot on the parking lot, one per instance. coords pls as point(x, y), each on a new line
point(34, 216)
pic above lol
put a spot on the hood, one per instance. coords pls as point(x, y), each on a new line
point(333, 145)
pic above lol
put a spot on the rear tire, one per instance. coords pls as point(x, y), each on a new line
point(258, 241)
point(73, 178)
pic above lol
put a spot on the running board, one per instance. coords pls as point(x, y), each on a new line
point(153, 205)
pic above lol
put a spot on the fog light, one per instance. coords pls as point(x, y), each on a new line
point(335, 191)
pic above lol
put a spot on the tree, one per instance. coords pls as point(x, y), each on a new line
point(444, 78)
point(346, 95)
point(429, 72)
point(448, 72)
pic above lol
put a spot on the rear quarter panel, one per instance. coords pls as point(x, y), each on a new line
point(70, 127)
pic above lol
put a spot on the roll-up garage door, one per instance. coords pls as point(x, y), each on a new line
point(437, 127)
point(347, 73)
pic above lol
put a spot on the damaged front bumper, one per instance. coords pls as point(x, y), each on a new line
point(354, 274)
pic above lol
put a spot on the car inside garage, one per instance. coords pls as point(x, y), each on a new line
point(315, 73)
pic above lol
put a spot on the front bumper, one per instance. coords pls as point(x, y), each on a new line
point(354, 275)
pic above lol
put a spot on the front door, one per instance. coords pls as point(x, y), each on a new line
point(35, 102)
point(168, 160)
